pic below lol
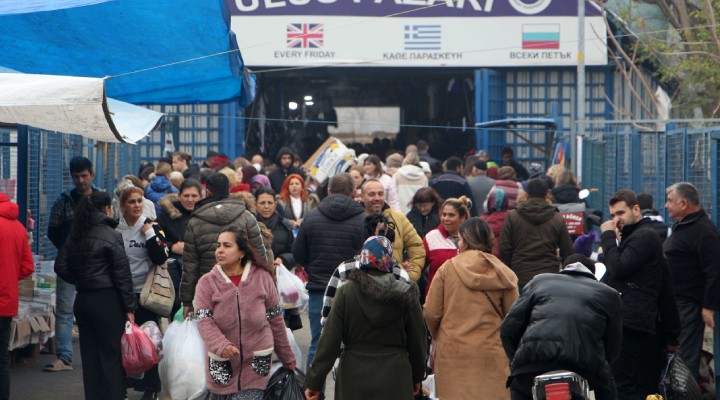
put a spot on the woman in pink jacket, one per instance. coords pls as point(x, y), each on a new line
point(239, 292)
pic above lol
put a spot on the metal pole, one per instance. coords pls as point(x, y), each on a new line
point(580, 97)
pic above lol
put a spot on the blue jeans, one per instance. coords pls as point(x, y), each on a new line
point(65, 295)
point(314, 313)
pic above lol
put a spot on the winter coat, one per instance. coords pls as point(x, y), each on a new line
point(407, 180)
point(17, 262)
point(453, 185)
point(97, 260)
point(530, 238)
point(282, 240)
point(379, 320)
point(658, 223)
point(210, 217)
point(143, 250)
point(566, 321)
point(278, 175)
point(469, 359)
point(520, 171)
point(495, 221)
point(425, 224)
point(248, 317)
point(635, 268)
point(438, 249)
point(311, 202)
point(480, 186)
point(61, 216)
point(693, 256)
point(566, 194)
point(407, 241)
point(173, 220)
point(329, 235)
point(158, 187)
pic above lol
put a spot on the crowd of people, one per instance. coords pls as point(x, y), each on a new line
point(464, 269)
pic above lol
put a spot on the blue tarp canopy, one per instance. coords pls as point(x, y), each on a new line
point(152, 51)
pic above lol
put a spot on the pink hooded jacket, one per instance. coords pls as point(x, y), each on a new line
point(222, 309)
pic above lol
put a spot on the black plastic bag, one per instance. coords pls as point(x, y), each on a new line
point(285, 385)
point(677, 381)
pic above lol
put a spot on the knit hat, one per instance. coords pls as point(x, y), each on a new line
point(377, 254)
point(492, 172)
point(537, 188)
point(584, 243)
point(481, 165)
point(535, 170)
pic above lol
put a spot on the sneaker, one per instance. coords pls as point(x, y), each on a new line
point(149, 395)
point(57, 366)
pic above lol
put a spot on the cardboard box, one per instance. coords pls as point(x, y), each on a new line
point(22, 334)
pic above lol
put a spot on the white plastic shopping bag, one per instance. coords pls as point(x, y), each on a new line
point(292, 290)
point(182, 369)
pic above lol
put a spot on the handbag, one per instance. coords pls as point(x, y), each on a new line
point(158, 293)
point(677, 380)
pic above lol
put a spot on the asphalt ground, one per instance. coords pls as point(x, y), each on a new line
point(28, 381)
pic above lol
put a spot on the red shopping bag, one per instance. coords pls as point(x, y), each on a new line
point(138, 351)
point(300, 273)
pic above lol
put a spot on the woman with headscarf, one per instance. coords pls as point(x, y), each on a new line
point(464, 309)
point(506, 180)
point(295, 200)
point(379, 320)
point(497, 206)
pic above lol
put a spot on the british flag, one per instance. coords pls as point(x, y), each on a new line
point(305, 35)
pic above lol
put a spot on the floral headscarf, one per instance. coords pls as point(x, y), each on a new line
point(377, 254)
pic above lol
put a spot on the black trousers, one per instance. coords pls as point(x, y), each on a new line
point(4, 358)
point(521, 388)
point(101, 322)
point(692, 331)
point(635, 370)
point(151, 379)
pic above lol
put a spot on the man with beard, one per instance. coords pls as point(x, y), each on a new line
point(635, 268)
point(284, 168)
point(407, 241)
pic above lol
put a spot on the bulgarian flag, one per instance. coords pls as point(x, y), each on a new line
point(540, 36)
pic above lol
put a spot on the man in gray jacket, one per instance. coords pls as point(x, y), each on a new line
point(211, 215)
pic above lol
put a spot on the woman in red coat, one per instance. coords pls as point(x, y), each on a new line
point(17, 263)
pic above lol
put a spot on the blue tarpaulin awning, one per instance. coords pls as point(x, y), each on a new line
point(153, 52)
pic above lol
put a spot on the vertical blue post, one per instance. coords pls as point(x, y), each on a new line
point(480, 95)
point(22, 172)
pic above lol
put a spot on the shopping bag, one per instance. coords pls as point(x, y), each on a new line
point(676, 381)
point(295, 348)
point(138, 351)
point(153, 331)
point(285, 384)
point(182, 369)
point(292, 290)
point(158, 293)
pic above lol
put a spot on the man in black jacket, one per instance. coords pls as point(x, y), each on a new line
point(564, 321)
point(285, 159)
point(329, 235)
point(693, 254)
point(635, 268)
